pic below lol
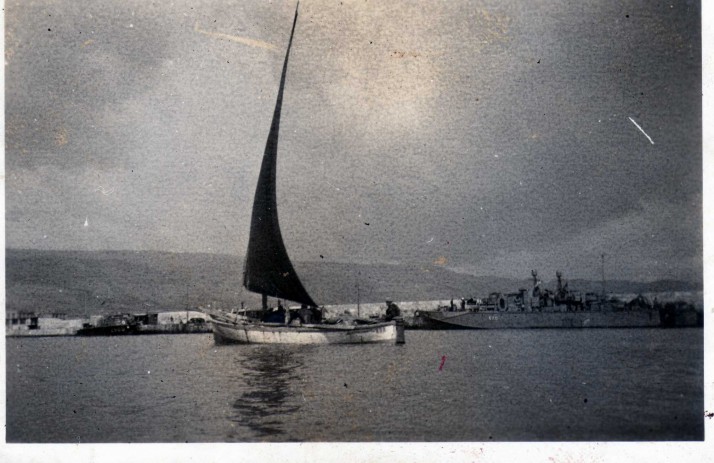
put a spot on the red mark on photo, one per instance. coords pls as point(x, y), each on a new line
point(443, 360)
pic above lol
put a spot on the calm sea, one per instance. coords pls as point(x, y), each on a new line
point(637, 384)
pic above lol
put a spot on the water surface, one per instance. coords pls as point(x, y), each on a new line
point(525, 385)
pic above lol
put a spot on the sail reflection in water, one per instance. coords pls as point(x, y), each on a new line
point(266, 395)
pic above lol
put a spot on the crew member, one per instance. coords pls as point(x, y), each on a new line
point(392, 310)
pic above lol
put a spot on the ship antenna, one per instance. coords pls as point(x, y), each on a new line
point(559, 276)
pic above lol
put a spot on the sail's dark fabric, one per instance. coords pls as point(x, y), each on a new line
point(268, 269)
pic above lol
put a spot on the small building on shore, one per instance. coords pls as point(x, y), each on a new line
point(31, 324)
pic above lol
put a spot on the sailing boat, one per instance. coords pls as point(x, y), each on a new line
point(269, 272)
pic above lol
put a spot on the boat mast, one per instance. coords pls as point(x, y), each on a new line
point(273, 136)
point(602, 261)
point(358, 315)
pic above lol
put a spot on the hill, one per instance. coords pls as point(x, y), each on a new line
point(81, 283)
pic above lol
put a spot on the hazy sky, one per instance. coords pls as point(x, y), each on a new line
point(487, 136)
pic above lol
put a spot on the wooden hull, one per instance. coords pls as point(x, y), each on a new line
point(268, 333)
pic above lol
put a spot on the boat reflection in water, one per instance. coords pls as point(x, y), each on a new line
point(265, 399)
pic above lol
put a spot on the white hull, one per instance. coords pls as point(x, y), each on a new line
point(269, 333)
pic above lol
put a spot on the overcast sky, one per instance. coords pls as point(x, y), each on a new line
point(490, 137)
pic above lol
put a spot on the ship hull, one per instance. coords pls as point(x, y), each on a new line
point(127, 330)
point(525, 320)
point(226, 332)
point(114, 330)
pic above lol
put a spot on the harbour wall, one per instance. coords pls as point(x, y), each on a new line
point(31, 325)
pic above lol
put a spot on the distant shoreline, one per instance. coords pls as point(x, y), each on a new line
point(83, 283)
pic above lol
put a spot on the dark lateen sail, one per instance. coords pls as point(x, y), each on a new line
point(268, 269)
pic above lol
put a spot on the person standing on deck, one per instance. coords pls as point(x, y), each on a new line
point(392, 311)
